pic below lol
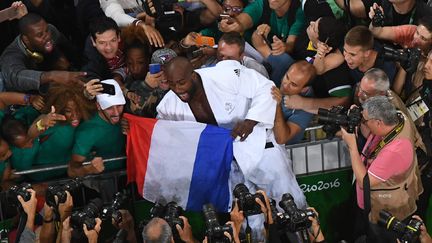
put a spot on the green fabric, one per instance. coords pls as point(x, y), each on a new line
point(23, 158)
point(98, 138)
point(55, 148)
point(341, 92)
point(279, 26)
point(212, 31)
point(3, 165)
point(27, 114)
point(337, 11)
point(254, 10)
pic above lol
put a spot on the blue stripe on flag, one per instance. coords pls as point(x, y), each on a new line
point(211, 170)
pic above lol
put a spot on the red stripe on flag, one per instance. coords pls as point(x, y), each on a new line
point(138, 147)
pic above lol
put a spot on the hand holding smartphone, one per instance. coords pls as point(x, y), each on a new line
point(205, 41)
point(154, 68)
point(107, 88)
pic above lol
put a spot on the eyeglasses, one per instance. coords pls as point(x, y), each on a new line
point(234, 9)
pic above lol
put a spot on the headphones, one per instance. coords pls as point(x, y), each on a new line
point(36, 56)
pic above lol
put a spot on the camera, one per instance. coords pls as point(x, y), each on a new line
point(112, 211)
point(87, 215)
point(293, 219)
point(18, 190)
point(339, 116)
point(406, 233)
point(408, 58)
point(170, 213)
point(60, 192)
point(166, 19)
point(246, 200)
point(215, 231)
point(378, 18)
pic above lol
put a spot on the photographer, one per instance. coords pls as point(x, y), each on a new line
point(92, 234)
point(48, 231)
point(158, 230)
point(29, 208)
point(390, 163)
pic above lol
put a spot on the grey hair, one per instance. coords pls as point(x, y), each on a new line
point(382, 82)
point(380, 108)
point(160, 226)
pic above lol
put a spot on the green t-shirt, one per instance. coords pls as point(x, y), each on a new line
point(23, 158)
point(279, 26)
point(55, 148)
point(27, 114)
point(212, 31)
point(3, 165)
point(98, 138)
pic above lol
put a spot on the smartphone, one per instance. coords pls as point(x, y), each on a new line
point(154, 68)
point(107, 88)
point(205, 41)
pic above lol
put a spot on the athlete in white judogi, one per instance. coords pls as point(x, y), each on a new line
point(232, 96)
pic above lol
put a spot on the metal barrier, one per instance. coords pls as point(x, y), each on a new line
point(318, 155)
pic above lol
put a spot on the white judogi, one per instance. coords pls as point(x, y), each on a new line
point(236, 93)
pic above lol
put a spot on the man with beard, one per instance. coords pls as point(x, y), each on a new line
point(232, 96)
point(100, 136)
point(27, 63)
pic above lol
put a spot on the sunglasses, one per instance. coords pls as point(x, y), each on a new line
point(228, 8)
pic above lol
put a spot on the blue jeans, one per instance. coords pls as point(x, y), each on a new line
point(280, 65)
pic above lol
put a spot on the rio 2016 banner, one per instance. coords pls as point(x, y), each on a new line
point(331, 194)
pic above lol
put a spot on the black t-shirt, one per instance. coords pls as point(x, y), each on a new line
point(314, 9)
point(392, 18)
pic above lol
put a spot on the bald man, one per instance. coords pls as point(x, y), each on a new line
point(290, 124)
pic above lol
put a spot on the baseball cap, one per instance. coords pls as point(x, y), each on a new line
point(163, 56)
point(106, 100)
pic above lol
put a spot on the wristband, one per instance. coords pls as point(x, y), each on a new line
point(49, 220)
point(183, 45)
point(136, 22)
point(39, 126)
point(27, 99)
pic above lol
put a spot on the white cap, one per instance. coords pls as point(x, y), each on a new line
point(106, 101)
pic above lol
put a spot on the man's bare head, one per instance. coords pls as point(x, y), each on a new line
point(299, 75)
point(157, 230)
point(181, 78)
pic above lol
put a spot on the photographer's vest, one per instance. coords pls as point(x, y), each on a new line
point(399, 193)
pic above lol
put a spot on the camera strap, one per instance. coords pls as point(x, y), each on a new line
point(387, 139)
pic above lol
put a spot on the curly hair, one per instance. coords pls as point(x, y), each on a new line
point(59, 95)
point(135, 37)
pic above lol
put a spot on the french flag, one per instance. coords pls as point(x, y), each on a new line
point(182, 161)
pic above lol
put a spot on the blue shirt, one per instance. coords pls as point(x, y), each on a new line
point(299, 117)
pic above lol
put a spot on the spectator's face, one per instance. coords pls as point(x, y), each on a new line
point(232, 7)
point(107, 43)
point(293, 82)
point(72, 113)
point(312, 31)
point(228, 52)
point(428, 67)
point(372, 124)
point(5, 151)
point(422, 38)
point(355, 56)
point(112, 114)
point(38, 38)
point(183, 84)
point(366, 90)
point(136, 63)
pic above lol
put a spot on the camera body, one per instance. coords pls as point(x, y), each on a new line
point(408, 58)
point(167, 20)
point(406, 233)
point(112, 211)
point(60, 192)
point(215, 231)
point(87, 215)
point(18, 190)
point(170, 213)
point(378, 18)
point(246, 200)
point(339, 116)
point(293, 219)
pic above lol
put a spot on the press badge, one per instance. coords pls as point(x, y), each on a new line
point(417, 109)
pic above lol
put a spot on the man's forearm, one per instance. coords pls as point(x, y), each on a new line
point(312, 105)
point(76, 169)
